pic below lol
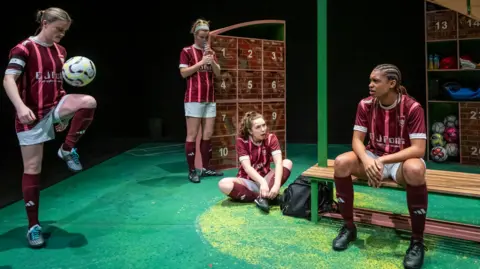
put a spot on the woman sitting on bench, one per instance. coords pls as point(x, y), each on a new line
point(396, 127)
point(255, 180)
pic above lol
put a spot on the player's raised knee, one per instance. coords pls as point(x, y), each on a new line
point(89, 102)
point(226, 185)
point(414, 172)
point(344, 162)
point(287, 164)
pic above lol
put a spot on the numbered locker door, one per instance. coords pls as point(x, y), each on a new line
point(225, 85)
point(224, 154)
point(441, 25)
point(470, 133)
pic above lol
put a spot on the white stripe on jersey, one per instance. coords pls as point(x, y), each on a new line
point(17, 61)
point(13, 72)
point(275, 152)
point(360, 128)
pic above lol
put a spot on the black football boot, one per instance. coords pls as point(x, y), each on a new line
point(344, 237)
point(210, 173)
point(415, 254)
point(193, 176)
point(262, 204)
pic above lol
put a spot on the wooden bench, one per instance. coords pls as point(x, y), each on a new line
point(438, 181)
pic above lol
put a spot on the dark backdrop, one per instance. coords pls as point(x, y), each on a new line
point(136, 50)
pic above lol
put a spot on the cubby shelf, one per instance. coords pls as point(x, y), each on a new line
point(454, 38)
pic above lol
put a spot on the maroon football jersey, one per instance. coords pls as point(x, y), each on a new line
point(200, 84)
point(259, 154)
point(40, 82)
point(390, 128)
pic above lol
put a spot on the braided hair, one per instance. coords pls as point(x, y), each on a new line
point(392, 72)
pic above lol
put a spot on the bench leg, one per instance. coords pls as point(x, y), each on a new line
point(314, 201)
point(330, 186)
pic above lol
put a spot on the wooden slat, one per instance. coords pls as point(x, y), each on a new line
point(438, 181)
point(403, 222)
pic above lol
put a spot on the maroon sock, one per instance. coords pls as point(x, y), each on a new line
point(205, 150)
point(285, 175)
point(344, 187)
point(31, 197)
point(190, 149)
point(210, 149)
point(80, 122)
point(242, 193)
point(417, 200)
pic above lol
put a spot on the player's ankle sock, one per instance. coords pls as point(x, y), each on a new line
point(344, 187)
point(241, 193)
point(417, 200)
point(204, 149)
point(285, 175)
point(190, 153)
point(31, 197)
point(80, 122)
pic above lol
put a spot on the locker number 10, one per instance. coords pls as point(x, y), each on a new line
point(223, 152)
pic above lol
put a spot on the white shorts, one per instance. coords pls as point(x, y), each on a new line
point(201, 110)
point(44, 130)
point(251, 185)
point(390, 170)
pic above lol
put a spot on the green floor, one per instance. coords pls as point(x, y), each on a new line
point(138, 210)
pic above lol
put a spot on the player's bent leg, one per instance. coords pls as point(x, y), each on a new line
point(81, 109)
point(345, 165)
point(193, 116)
point(238, 189)
point(32, 156)
point(264, 204)
point(411, 174)
point(287, 169)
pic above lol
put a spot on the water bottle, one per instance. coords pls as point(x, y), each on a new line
point(436, 62)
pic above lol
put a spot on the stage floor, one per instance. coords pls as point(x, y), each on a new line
point(138, 210)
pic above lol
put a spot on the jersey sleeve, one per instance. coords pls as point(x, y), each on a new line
point(184, 59)
point(274, 145)
point(242, 150)
point(361, 120)
point(18, 58)
point(416, 123)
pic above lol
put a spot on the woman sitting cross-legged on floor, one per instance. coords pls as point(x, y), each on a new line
point(255, 180)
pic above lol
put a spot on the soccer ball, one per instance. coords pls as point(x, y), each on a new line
point(450, 121)
point(451, 135)
point(452, 149)
point(439, 154)
point(79, 71)
point(437, 140)
point(438, 127)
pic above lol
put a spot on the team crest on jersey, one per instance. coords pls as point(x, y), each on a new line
point(401, 121)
